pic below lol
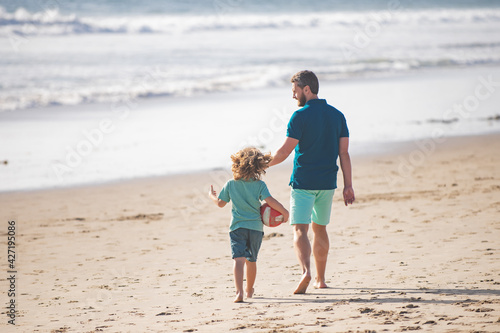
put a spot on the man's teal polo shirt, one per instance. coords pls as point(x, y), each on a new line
point(318, 127)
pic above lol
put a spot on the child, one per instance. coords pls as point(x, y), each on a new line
point(246, 191)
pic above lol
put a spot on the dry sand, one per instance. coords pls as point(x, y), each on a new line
point(419, 250)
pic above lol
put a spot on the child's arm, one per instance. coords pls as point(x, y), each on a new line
point(279, 207)
point(213, 195)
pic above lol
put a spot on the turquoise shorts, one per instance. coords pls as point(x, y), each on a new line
point(307, 205)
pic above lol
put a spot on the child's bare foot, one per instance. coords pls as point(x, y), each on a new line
point(250, 293)
point(239, 298)
point(303, 284)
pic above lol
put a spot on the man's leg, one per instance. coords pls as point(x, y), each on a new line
point(320, 246)
point(303, 251)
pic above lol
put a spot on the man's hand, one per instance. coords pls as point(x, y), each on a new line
point(348, 195)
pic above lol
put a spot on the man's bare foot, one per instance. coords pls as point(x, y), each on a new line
point(303, 284)
point(320, 284)
point(239, 298)
point(250, 293)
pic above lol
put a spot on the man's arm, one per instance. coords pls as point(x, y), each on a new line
point(284, 151)
point(345, 165)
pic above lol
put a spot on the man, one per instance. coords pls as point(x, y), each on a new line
point(318, 133)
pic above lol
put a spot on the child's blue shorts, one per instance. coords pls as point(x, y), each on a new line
point(246, 243)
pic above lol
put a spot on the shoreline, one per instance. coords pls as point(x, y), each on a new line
point(379, 149)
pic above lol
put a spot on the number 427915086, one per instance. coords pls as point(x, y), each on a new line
point(11, 244)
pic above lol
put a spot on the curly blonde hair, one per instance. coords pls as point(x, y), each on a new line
point(250, 164)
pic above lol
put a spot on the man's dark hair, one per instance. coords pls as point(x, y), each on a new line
point(306, 78)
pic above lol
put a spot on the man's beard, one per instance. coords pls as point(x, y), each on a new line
point(301, 101)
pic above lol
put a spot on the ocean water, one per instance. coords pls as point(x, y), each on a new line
point(59, 59)
point(69, 52)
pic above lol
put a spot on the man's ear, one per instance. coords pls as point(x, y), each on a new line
point(307, 90)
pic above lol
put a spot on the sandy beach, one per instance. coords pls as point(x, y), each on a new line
point(419, 250)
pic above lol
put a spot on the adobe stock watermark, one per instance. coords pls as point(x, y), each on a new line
point(199, 201)
point(371, 29)
point(49, 10)
point(459, 111)
point(94, 137)
point(266, 135)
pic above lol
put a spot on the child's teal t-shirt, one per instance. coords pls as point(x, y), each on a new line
point(246, 197)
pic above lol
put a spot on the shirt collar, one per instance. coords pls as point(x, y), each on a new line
point(316, 101)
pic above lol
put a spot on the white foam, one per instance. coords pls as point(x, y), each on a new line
point(65, 59)
point(51, 22)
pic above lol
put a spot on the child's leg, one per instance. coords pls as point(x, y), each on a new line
point(251, 275)
point(253, 246)
point(238, 269)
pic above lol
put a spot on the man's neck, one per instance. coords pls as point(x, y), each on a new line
point(311, 98)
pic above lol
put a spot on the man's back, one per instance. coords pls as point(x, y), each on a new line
point(318, 127)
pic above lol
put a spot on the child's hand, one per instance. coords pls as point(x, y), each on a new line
point(286, 216)
point(212, 193)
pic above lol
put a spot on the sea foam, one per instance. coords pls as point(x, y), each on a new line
point(52, 22)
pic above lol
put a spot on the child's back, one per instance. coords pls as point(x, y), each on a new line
point(245, 197)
